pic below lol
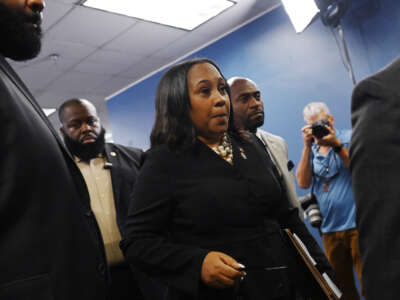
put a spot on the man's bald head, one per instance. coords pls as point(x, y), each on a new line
point(233, 81)
point(75, 102)
point(247, 105)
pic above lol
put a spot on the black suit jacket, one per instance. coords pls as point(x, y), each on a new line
point(186, 205)
point(375, 165)
point(50, 244)
point(126, 162)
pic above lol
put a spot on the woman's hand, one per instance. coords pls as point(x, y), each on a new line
point(220, 270)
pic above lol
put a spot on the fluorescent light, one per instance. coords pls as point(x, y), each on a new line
point(301, 12)
point(49, 111)
point(185, 14)
point(109, 137)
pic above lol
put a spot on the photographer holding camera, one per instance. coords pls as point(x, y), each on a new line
point(324, 164)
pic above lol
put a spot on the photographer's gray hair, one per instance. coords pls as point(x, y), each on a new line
point(315, 108)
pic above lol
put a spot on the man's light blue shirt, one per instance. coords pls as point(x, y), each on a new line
point(332, 187)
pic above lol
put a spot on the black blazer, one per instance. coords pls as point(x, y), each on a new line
point(186, 205)
point(126, 162)
point(375, 165)
point(50, 244)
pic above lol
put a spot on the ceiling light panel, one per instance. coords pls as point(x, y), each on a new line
point(49, 111)
point(185, 14)
point(301, 13)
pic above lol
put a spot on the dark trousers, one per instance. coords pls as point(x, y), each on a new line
point(123, 284)
point(134, 285)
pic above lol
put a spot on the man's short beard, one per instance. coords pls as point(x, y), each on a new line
point(20, 40)
point(252, 125)
point(86, 151)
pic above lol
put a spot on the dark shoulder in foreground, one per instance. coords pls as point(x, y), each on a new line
point(389, 76)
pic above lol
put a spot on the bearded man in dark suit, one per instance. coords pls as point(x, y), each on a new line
point(50, 243)
point(375, 165)
point(110, 171)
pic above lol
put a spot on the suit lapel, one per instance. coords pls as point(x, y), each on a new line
point(113, 158)
point(274, 153)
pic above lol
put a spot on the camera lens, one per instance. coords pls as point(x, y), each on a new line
point(311, 209)
point(318, 128)
point(314, 215)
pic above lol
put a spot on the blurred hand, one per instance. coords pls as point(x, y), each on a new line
point(328, 140)
point(220, 270)
point(307, 135)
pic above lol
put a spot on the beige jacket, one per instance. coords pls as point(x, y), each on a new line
point(277, 149)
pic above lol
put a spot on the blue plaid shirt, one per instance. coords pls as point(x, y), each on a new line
point(332, 187)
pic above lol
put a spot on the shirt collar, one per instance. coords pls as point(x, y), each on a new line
point(78, 160)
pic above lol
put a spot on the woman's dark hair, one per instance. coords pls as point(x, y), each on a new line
point(173, 125)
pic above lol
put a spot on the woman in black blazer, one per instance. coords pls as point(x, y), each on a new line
point(208, 206)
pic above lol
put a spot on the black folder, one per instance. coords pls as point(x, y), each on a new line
point(324, 288)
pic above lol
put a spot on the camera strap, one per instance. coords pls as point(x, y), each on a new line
point(326, 180)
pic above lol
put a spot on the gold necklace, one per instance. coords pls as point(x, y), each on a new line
point(225, 149)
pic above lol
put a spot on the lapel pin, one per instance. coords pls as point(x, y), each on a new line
point(242, 153)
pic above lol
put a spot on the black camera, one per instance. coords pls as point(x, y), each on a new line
point(318, 128)
point(311, 209)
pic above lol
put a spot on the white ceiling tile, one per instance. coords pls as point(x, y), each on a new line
point(182, 46)
point(144, 67)
point(34, 82)
point(77, 83)
point(52, 99)
point(90, 26)
point(53, 12)
point(65, 49)
point(55, 99)
point(65, 1)
point(145, 38)
point(111, 57)
point(71, 52)
point(114, 84)
point(107, 62)
point(102, 68)
point(41, 74)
